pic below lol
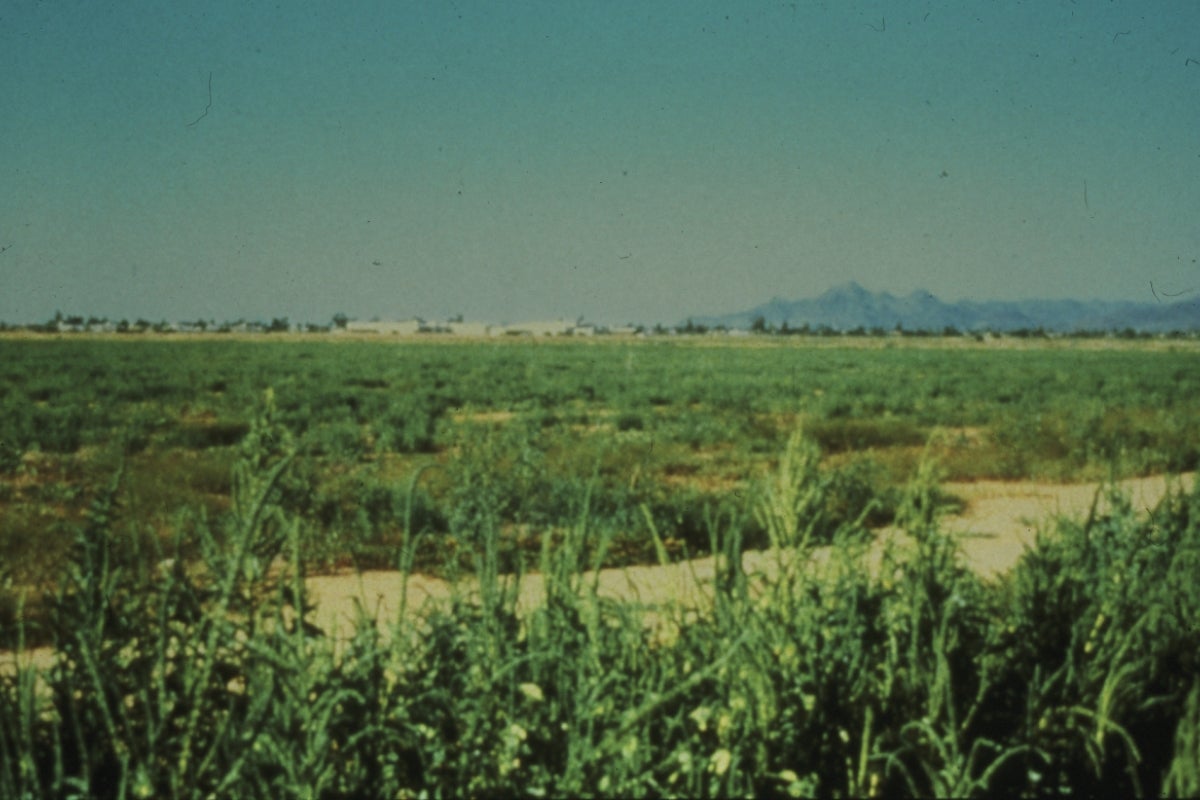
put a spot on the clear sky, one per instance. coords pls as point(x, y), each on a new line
point(626, 160)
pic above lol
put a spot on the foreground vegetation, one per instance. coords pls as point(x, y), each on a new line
point(188, 669)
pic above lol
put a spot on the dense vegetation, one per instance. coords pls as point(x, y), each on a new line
point(1076, 673)
point(157, 516)
point(517, 429)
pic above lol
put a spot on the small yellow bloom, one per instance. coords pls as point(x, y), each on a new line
point(629, 747)
point(532, 692)
point(720, 761)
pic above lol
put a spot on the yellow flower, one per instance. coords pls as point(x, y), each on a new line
point(532, 691)
point(795, 788)
point(720, 761)
point(630, 747)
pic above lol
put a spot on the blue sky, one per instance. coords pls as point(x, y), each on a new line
point(626, 161)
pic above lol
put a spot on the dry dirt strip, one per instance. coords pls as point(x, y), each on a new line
point(1000, 521)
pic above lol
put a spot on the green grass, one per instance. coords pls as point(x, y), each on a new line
point(682, 416)
point(1075, 674)
point(146, 490)
point(512, 434)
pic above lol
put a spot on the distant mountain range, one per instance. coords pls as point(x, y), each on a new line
point(850, 306)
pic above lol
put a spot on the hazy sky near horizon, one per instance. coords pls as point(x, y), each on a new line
point(624, 160)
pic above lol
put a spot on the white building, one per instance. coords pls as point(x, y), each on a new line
point(557, 327)
point(459, 328)
point(392, 327)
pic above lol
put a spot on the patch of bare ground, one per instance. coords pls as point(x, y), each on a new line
point(999, 522)
point(483, 417)
point(1002, 518)
point(713, 470)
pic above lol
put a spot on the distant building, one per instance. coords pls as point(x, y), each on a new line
point(406, 327)
point(457, 327)
point(69, 326)
point(460, 328)
point(242, 326)
point(557, 327)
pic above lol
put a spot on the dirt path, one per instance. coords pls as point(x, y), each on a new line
point(1002, 518)
point(1000, 521)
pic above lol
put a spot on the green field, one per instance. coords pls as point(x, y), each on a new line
point(519, 431)
point(1077, 671)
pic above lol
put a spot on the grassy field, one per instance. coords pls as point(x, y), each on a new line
point(519, 431)
point(161, 500)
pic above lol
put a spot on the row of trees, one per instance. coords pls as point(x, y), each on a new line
point(759, 326)
point(61, 323)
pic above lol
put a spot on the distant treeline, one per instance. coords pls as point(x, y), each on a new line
point(62, 323)
point(761, 327)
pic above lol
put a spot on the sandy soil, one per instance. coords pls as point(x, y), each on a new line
point(1000, 521)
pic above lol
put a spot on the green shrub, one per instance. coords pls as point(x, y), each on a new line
point(10, 456)
point(203, 435)
point(857, 434)
point(630, 421)
point(338, 440)
point(409, 424)
point(803, 504)
point(1100, 646)
point(58, 429)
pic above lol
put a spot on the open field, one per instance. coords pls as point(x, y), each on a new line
point(653, 419)
point(168, 509)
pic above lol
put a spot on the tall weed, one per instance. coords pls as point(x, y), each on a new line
point(1099, 644)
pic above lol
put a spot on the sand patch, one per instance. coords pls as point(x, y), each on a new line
point(1001, 518)
point(999, 523)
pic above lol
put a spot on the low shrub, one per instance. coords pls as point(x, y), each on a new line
point(410, 424)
